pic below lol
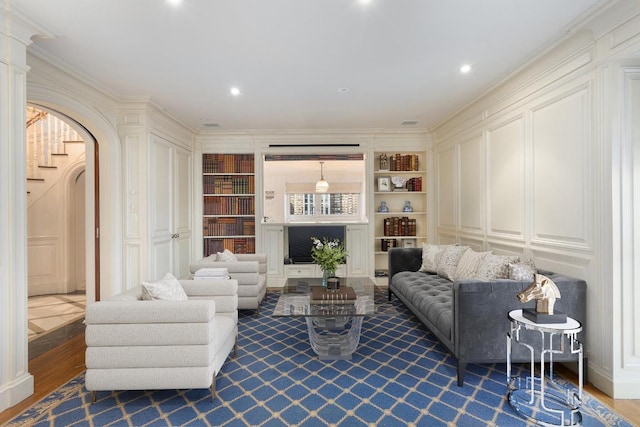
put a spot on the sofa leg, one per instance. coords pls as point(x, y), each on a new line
point(213, 388)
point(93, 397)
point(390, 294)
point(235, 348)
point(462, 367)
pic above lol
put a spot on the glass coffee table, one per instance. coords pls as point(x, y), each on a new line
point(334, 318)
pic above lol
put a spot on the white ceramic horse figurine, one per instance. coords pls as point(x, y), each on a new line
point(544, 291)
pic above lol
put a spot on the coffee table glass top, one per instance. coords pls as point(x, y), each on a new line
point(299, 300)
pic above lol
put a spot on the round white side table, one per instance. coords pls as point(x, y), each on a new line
point(538, 396)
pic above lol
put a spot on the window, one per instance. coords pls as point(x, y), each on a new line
point(328, 205)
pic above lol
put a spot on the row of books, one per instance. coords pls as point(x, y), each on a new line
point(229, 205)
point(386, 244)
point(227, 163)
point(244, 245)
point(228, 184)
point(399, 226)
point(229, 227)
point(404, 162)
point(414, 184)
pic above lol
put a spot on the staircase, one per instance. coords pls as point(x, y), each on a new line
point(52, 146)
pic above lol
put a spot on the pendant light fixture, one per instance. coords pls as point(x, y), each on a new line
point(322, 186)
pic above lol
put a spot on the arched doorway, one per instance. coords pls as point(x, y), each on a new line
point(57, 229)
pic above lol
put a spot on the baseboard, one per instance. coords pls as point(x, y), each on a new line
point(15, 392)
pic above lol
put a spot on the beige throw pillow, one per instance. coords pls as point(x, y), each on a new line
point(430, 256)
point(448, 262)
point(495, 267)
point(227, 256)
point(167, 289)
point(523, 270)
point(468, 264)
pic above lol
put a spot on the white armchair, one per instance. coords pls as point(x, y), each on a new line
point(146, 345)
point(251, 273)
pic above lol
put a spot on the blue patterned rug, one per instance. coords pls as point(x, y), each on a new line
point(399, 376)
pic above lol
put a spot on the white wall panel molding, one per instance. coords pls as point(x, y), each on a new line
point(562, 169)
point(477, 243)
point(133, 261)
point(471, 184)
point(542, 84)
point(446, 193)
point(625, 36)
point(506, 177)
point(629, 231)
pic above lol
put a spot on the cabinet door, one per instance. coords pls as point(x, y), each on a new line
point(169, 209)
point(182, 208)
point(357, 239)
point(273, 246)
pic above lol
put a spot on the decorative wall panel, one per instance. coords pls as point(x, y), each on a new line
point(446, 185)
point(506, 177)
point(471, 181)
point(561, 158)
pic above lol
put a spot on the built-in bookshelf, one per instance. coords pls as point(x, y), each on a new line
point(228, 185)
point(397, 225)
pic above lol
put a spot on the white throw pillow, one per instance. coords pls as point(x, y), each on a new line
point(448, 262)
point(168, 289)
point(495, 266)
point(523, 270)
point(468, 264)
point(430, 256)
point(227, 256)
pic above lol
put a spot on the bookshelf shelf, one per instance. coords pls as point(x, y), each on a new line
point(228, 184)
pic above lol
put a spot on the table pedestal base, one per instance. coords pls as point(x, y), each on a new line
point(334, 338)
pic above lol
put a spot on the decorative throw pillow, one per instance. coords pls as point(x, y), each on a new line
point(495, 267)
point(430, 257)
point(168, 289)
point(227, 256)
point(468, 264)
point(448, 262)
point(523, 270)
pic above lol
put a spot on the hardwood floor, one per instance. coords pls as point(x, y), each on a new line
point(64, 362)
point(50, 370)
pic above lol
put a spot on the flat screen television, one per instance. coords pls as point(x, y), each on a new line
point(299, 237)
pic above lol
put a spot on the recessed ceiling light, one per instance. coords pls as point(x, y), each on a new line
point(364, 1)
point(465, 68)
point(343, 90)
point(234, 91)
point(211, 125)
point(409, 123)
point(174, 2)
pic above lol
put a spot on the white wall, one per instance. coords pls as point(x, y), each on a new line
point(541, 166)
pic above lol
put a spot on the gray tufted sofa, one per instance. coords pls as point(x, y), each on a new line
point(469, 317)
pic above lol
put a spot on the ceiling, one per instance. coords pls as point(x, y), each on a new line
point(300, 64)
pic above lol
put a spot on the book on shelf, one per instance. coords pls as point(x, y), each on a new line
point(399, 226)
point(404, 162)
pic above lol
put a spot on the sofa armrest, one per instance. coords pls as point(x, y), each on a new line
point(223, 291)
point(123, 312)
point(261, 258)
point(233, 267)
point(404, 259)
point(480, 311)
point(210, 287)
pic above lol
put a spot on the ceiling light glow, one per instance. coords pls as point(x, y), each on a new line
point(234, 91)
point(465, 68)
point(364, 1)
point(174, 2)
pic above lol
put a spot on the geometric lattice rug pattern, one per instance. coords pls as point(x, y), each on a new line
point(400, 375)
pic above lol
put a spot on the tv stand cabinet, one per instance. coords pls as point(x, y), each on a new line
point(274, 244)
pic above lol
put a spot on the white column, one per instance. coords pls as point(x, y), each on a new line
point(16, 383)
